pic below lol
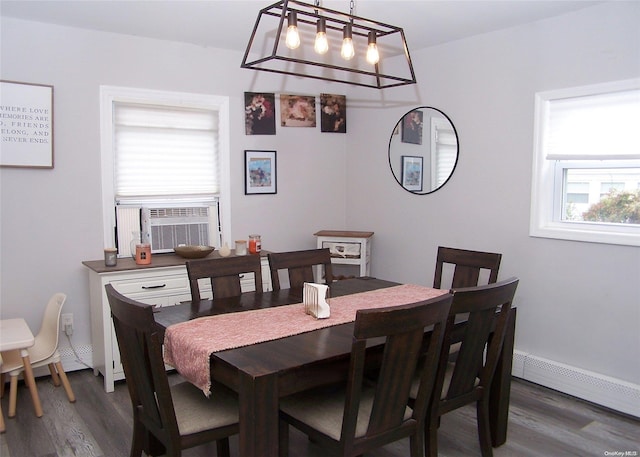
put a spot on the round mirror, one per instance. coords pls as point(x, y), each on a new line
point(423, 150)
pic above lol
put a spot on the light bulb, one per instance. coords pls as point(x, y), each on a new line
point(373, 56)
point(321, 45)
point(293, 37)
point(347, 52)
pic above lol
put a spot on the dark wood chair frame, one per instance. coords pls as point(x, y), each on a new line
point(486, 310)
point(155, 427)
point(468, 265)
point(224, 275)
point(389, 421)
point(300, 266)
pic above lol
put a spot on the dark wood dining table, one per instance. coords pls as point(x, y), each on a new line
point(262, 373)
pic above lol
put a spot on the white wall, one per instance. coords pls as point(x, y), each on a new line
point(51, 220)
point(578, 303)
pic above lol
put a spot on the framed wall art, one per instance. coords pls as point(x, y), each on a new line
point(259, 113)
point(297, 111)
point(412, 127)
point(260, 172)
point(333, 109)
point(412, 173)
point(26, 125)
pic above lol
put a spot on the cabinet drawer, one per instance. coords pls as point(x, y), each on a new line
point(154, 285)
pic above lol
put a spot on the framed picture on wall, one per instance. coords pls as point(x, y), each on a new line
point(412, 173)
point(259, 113)
point(412, 127)
point(260, 172)
point(27, 125)
point(333, 109)
point(297, 111)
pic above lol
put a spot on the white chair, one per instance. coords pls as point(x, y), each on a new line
point(43, 352)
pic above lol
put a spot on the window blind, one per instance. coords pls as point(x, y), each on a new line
point(165, 151)
point(597, 127)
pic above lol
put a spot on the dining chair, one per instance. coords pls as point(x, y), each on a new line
point(300, 265)
point(359, 416)
point(224, 275)
point(166, 420)
point(44, 352)
point(467, 266)
point(468, 377)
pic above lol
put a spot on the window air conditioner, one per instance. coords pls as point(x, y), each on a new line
point(168, 227)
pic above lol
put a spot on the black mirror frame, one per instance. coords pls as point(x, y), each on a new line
point(398, 126)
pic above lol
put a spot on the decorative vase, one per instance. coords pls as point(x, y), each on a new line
point(225, 250)
point(135, 240)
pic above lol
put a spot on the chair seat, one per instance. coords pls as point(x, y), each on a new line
point(323, 410)
point(195, 415)
point(12, 361)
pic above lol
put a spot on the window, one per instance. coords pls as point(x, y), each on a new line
point(586, 166)
point(165, 168)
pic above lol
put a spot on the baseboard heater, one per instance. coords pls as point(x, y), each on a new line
point(603, 390)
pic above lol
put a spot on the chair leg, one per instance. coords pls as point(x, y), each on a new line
point(65, 382)
point(13, 395)
point(222, 447)
point(431, 436)
point(2, 381)
point(54, 375)
point(2, 426)
point(415, 443)
point(484, 430)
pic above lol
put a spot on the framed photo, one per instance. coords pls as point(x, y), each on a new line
point(412, 127)
point(26, 125)
point(333, 109)
point(259, 113)
point(260, 172)
point(412, 173)
point(297, 111)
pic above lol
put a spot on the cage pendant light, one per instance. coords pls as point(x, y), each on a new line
point(379, 58)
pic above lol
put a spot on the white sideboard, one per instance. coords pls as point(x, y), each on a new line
point(163, 283)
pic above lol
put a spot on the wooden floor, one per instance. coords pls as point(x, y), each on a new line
point(541, 423)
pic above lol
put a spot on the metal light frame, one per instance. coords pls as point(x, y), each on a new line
point(304, 62)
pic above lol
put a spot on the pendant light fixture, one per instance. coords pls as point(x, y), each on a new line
point(372, 54)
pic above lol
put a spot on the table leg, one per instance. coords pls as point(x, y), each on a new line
point(31, 382)
point(500, 391)
point(258, 415)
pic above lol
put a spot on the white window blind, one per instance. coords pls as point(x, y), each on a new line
point(165, 151)
point(596, 127)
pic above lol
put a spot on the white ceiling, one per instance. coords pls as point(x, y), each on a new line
point(228, 23)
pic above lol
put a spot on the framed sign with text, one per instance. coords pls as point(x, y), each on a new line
point(26, 125)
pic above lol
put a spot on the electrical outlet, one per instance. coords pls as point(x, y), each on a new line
point(67, 323)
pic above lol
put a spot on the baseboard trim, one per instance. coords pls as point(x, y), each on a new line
point(82, 361)
point(603, 390)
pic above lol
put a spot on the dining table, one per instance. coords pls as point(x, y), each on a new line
point(263, 372)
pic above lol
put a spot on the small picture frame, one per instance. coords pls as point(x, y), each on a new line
point(260, 172)
point(412, 127)
point(333, 113)
point(259, 113)
point(27, 125)
point(297, 111)
point(412, 173)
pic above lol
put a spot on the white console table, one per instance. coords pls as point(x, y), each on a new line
point(162, 283)
point(348, 248)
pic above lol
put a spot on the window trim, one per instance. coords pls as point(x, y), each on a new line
point(544, 184)
point(109, 94)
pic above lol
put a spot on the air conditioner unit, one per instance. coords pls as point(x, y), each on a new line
point(167, 227)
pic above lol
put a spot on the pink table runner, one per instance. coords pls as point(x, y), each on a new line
point(188, 345)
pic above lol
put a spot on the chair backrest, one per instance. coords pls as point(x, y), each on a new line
point(144, 370)
point(224, 274)
point(300, 266)
point(404, 328)
point(46, 340)
point(468, 265)
point(487, 309)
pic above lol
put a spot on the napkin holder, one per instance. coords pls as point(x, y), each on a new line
point(315, 300)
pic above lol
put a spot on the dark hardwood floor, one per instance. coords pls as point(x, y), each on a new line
point(541, 423)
